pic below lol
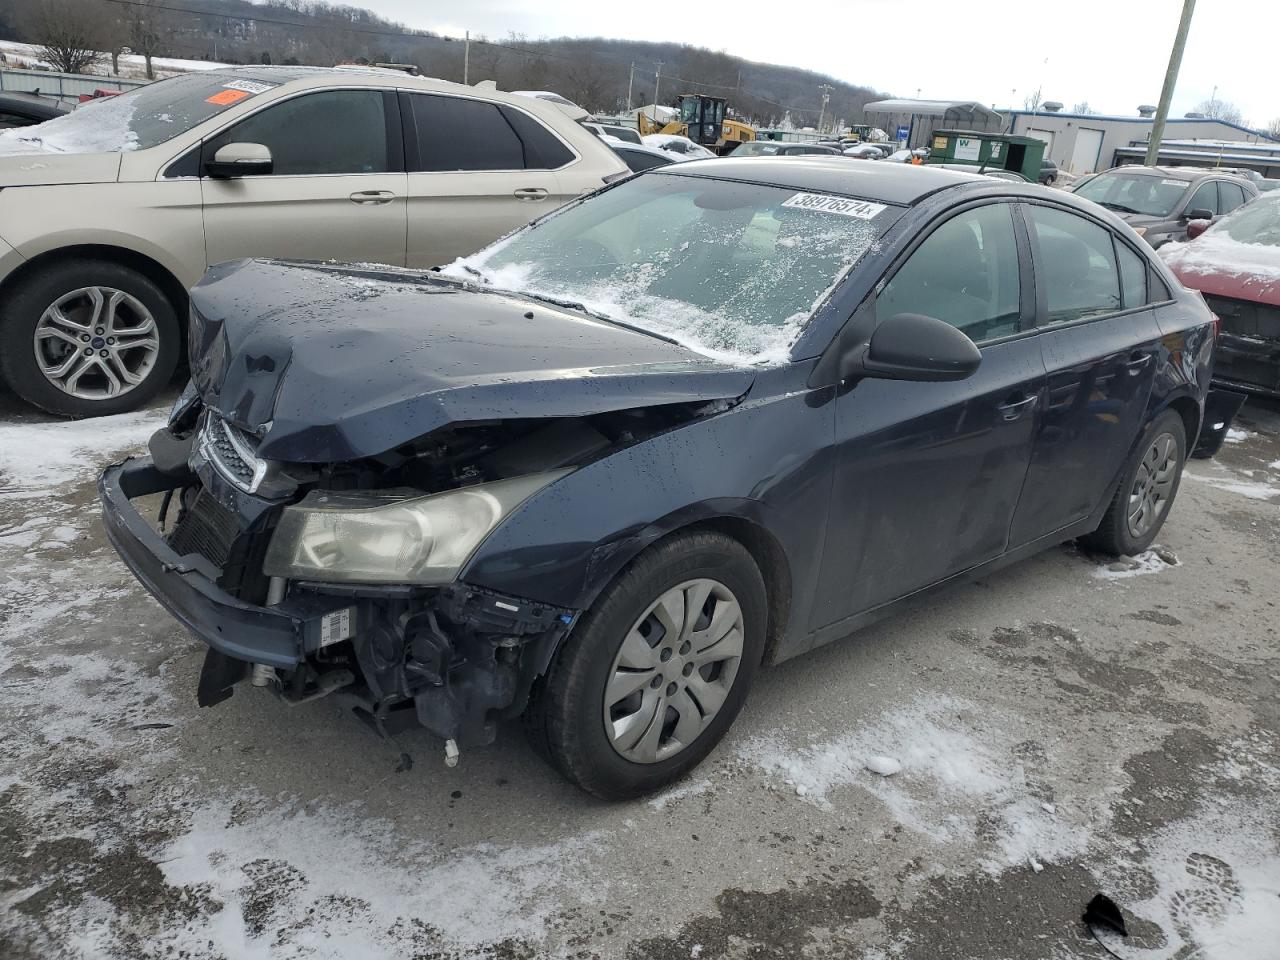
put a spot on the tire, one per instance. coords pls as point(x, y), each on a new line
point(567, 716)
point(1115, 534)
point(148, 346)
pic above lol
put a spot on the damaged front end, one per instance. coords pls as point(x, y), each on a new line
point(342, 578)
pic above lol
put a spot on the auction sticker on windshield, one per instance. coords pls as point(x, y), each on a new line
point(824, 203)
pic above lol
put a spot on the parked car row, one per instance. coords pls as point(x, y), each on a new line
point(454, 497)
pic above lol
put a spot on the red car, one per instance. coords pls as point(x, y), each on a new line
point(1235, 264)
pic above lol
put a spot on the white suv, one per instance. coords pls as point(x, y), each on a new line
point(108, 214)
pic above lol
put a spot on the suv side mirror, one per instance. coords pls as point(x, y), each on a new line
point(1197, 227)
point(1199, 213)
point(911, 346)
point(239, 160)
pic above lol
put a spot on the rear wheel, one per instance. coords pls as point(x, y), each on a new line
point(86, 338)
point(654, 674)
point(1146, 491)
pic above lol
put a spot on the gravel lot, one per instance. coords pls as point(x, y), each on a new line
point(1062, 728)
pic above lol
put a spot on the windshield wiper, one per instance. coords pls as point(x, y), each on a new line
point(1118, 206)
point(594, 314)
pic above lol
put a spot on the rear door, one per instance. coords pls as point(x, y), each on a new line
point(1099, 340)
point(336, 191)
point(928, 475)
point(477, 170)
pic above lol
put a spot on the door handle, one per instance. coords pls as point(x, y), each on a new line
point(1136, 362)
point(1013, 408)
point(372, 196)
point(530, 194)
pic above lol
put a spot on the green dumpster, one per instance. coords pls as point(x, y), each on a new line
point(992, 151)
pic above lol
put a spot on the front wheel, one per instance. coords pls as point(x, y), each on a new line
point(1146, 491)
point(86, 338)
point(653, 675)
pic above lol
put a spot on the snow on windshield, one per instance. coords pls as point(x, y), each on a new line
point(99, 126)
point(1246, 244)
point(731, 270)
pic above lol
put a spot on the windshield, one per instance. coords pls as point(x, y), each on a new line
point(731, 269)
point(755, 148)
point(1135, 193)
point(142, 118)
point(1257, 222)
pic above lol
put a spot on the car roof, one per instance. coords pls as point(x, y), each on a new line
point(1172, 173)
point(19, 99)
point(900, 184)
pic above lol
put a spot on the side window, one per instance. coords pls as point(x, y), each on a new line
point(1133, 276)
point(1230, 195)
point(965, 272)
point(459, 134)
point(332, 131)
point(1076, 262)
point(542, 149)
point(1205, 198)
point(638, 161)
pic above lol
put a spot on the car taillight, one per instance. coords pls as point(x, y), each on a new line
point(1217, 325)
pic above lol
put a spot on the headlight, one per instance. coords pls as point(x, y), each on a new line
point(392, 536)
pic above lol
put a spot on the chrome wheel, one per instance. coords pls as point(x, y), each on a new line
point(674, 671)
point(1153, 485)
point(96, 342)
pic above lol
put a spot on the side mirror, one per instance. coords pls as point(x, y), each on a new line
point(1199, 213)
point(1197, 227)
point(911, 346)
point(239, 160)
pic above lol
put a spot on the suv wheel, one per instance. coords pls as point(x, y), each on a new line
point(1150, 482)
point(653, 675)
point(88, 338)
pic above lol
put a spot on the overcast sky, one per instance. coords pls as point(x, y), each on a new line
point(1110, 53)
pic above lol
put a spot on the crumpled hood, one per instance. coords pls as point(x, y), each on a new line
point(45, 168)
point(339, 363)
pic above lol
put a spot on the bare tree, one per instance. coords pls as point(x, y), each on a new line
point(1083, 108)
point(1032, 101)
point(1221, 110)
point(67, 33)
point(148, 25)
point(1273, 129)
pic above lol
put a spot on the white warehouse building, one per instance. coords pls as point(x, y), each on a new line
point(1082, 143)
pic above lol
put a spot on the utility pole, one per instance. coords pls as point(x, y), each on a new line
point(1170, 81)
point(466, 60)
point(631, 79)
point(657, 82)
point(826, 89)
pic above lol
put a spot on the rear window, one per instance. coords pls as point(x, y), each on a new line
point(143, 117)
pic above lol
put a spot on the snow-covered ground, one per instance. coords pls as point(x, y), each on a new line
point(132, 66)
point(955, 782)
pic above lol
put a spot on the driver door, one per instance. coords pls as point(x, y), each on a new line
point(928, 475)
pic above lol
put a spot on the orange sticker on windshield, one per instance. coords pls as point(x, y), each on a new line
point(226, 97)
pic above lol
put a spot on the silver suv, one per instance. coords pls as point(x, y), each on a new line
point(109, 214)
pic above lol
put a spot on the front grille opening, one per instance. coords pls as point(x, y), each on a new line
point(206, 528)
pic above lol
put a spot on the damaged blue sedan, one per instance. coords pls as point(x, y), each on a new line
point(702, 420)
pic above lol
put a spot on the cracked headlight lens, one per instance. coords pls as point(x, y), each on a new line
point(392, 536)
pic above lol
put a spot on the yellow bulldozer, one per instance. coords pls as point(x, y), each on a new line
point(702, 120)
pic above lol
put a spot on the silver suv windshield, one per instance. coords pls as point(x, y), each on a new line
point(1141, 193)
point(142, 118)
point(731, 269)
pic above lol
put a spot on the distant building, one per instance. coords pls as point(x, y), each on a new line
point(921, 117)
point(1085, 143)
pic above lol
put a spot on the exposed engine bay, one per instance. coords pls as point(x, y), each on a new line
point(453, 658)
